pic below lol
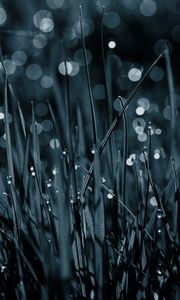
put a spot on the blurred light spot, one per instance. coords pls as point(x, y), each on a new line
point(47, 125)
point(38, 128)
point(75, 68)
point(46, 25)
point(33, 72)
point(139, 129)
point(158, 131)
point(93, 151)
point(99, 91)
point(161, 45)
point(148, 8)
point(70, 37)
point(39, 16)
point(144, 102)
point(142, 137)
point(167, 113)
point(111, 44)
point(65, 67)
point(153, 201)
point(54, 143)
point(1, 115)
point(10, 66)
point(111, 20)
point(19, 57)
point(134, 74)
point(41, 109)
point(176, 33)
point(3, 16)
point(156, 74)
point(46, 82)
point(69, 34)
point(39, 41)
point(79, 57)
point(156, 155)
point(87, 27)
point(55, 4)
point(139, 122)
point(140, 110)
point(101, 3)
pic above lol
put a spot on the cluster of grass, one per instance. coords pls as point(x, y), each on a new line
point(78, 236)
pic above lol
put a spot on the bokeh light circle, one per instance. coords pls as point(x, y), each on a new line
point(46, 25)
point(55, 4)
point(39, 41)
point(111, 20)
point(10, 66)
point(19, 57)
point(144, 102)
point(3, 16)
point(112, 44)
point(46, 82)
point(140, 111)
point(156, 74)
point(134, 74)
point(148, 8)
point(41, 109)
point(33, 72)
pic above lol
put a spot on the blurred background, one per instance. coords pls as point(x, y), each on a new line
point(38, 36)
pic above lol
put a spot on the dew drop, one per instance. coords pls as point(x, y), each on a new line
point(159, 214)
point(110, 196)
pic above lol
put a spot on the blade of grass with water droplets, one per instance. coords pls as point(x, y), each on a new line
point(8, 135)
point(114, 123)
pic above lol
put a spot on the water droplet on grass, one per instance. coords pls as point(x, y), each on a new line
point(54, 143)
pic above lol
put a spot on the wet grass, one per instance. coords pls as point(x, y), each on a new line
point(78, 237)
